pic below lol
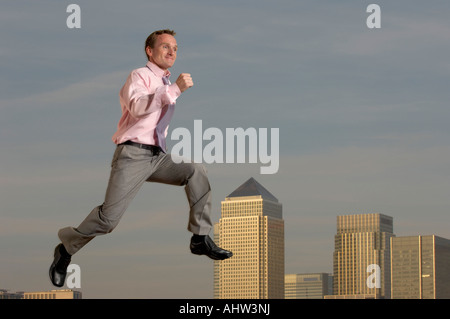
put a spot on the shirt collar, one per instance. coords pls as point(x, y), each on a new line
point(157, 70)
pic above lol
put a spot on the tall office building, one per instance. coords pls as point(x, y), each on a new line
point(420, 267)
point(307, 286)
point(251, 226)
point(361, 260)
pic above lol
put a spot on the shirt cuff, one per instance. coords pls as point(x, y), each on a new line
point(173, 91)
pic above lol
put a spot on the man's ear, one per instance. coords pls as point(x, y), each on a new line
point(148, 50)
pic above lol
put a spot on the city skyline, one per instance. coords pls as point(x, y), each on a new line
point(362, 116)
point(341, 226)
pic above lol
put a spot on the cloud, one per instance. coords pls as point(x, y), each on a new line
point(410, 35)
point(27, 226)
point(95, 87)
point(385, 178)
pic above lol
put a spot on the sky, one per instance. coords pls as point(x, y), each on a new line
point(362, 115)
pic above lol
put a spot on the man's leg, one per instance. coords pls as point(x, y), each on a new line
point(198, 191)
point(130, 168)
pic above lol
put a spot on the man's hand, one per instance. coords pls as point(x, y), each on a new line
point(184, 81)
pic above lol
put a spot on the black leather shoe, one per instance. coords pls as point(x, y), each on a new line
point(208, 247)
point(58, 269)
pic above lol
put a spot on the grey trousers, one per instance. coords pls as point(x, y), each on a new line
point(131, 166)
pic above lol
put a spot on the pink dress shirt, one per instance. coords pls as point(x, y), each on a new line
point(144, 99)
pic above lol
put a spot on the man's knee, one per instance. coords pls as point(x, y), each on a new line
point(199, 174)
point(201, 169)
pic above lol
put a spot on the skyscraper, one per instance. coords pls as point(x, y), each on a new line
point(307, 286)
point(251, 226)
point(420, 267)
point(361, 260)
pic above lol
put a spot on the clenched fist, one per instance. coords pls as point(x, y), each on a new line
point(184, 81)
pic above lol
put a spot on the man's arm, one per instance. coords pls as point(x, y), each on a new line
point(134, 95)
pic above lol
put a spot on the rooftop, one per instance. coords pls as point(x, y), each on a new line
point(252, 188)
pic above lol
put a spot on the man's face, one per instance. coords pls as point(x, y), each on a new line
point(164, 52)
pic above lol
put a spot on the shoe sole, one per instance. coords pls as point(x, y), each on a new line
point(213, 257)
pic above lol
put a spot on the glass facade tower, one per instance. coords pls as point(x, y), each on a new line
point(251, 226)
point(420, 267)
point(362, 249)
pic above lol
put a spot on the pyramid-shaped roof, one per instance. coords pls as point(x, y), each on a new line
point(252, 188)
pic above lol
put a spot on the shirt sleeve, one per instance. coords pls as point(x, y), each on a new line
point(137, 100)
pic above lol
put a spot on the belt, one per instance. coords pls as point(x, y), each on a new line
point(155, 149)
